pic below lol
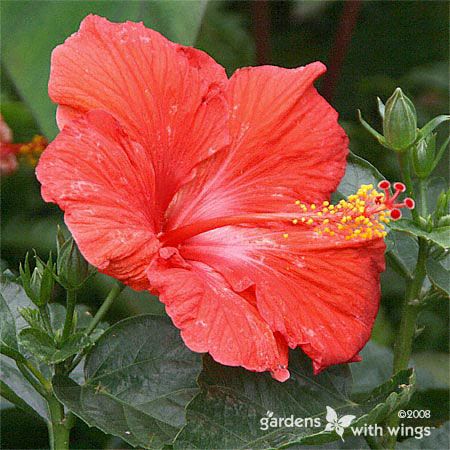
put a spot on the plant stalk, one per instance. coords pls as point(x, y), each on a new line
point(405, 170)
point(113, 294)
point(423, 198)
point(58, 426)
point(404, 343)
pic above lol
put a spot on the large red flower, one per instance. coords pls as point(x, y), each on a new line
point(178, 180)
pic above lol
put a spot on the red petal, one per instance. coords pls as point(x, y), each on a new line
point(286, 144)
point(319, 293)
point(103, 182)
point(213, 318)
point(167, 97)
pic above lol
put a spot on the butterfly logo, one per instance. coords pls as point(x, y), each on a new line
point(336, 424)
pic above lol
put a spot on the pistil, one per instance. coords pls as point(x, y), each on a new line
point(361, 216)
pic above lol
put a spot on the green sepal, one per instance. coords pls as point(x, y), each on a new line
point(38, 284)
point(381, 107)
point(432, 125)
point(379, 137)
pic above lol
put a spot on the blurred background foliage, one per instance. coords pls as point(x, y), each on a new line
point(382, 45)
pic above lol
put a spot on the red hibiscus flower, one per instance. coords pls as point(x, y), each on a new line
point(10, 152)
point(213, 193)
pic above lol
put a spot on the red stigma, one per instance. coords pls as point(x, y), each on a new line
point(389, 200)
point(396, 214)
point(384, 184)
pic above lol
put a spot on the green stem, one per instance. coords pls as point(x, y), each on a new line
point(405, 170)
point(113, 294)
point(403, 345)
point(58, 426)
point(423, 198)
point(71, 302)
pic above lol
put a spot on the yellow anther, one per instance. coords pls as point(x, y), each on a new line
point(360, 216)
point(295, 221)
point(297, 202)
point(285, 235)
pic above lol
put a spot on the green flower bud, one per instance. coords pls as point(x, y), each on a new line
point(442, 205)
point(73, 269)
point(400, 121)
point(38, 285)
point(423, 156)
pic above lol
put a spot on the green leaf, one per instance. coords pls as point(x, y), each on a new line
point(432, 380)
point(439, 236)
point(8, 334)
point(27, 44)
point(139, 378)
point(439, 439)
point(16, 299)
point(8, 394)
point(15, 386)
point(228, 411)
point(439, 276)
point(43, 347)
point(358, 172)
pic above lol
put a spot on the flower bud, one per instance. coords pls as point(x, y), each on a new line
point(400, 121)
point(38, 285)
point(442, 205)
point(423, 156)
point(73, 269)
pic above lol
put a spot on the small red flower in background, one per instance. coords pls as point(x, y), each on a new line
point(213, 193)
point(9, 152)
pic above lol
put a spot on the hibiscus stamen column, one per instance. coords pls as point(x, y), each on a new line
point(361, 216)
